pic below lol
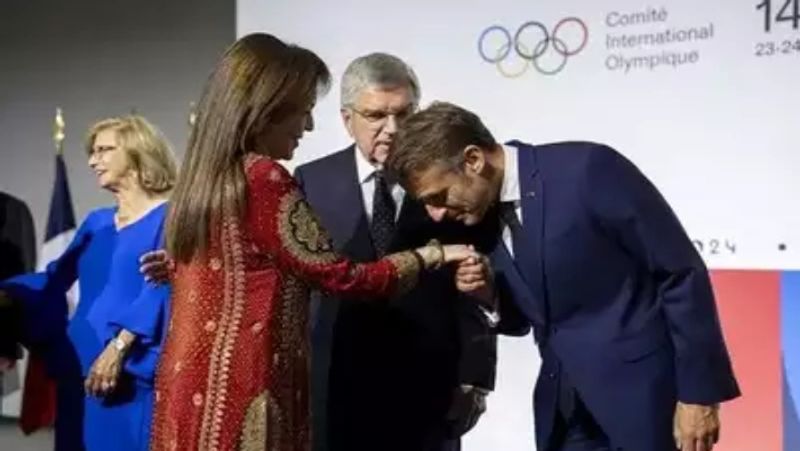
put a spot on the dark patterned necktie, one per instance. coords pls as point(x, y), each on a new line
point(383, 213)
point(508, 214)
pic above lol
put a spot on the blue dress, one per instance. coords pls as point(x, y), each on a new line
point(113, 295)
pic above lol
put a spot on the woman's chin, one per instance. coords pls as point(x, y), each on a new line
point(108, 185)
point(284, 156)
point(289, 153)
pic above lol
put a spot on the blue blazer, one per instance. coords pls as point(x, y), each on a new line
point(616, 293)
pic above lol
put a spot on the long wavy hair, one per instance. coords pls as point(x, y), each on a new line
point(258, 81)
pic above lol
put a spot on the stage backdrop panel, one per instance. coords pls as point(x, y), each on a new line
point(702, 96)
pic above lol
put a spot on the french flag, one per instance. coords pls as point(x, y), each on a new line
point(39, 393)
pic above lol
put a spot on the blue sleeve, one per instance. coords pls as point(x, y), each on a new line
point(631, 210)
point(43, 294)
point(145, 317)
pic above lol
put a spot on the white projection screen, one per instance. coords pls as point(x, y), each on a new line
point(703, 96)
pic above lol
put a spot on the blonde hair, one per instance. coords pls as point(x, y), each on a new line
point(147, 149)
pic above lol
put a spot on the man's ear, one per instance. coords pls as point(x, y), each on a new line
point(347, 119)
point(474, 159)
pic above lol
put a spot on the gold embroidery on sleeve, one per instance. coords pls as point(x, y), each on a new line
point(408, 269)
point(301, 233)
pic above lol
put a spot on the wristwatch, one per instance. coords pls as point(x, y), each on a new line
point(119, 344)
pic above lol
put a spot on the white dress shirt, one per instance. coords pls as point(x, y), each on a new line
point(366, 178)
point(510, 191)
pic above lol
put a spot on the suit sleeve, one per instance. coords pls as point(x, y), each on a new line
point(283, 225)
point(24, 238)
point(632, 211)
point(511, 321)
point(18, 254)
point(28, 238)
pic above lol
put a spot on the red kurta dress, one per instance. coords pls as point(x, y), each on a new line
point(234, 372)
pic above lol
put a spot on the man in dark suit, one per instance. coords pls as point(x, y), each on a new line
point(594, 258)
point(17, 238)
point(17, 255)
point(409, 374)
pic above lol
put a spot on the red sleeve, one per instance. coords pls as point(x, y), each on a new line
point(282, 224)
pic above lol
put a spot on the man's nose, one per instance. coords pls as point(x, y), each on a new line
point(391, 124)
point(436, 213)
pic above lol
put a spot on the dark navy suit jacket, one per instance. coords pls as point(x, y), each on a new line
point(616, 293)
point(17, 256)
point(384, 372)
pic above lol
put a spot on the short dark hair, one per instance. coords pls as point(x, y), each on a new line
point(436, 134)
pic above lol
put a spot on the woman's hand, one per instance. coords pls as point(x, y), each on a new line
point(156, 266)
point(456, 253)
point(104, 374)
point(435, 255)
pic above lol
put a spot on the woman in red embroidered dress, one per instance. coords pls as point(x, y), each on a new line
point(234, 372)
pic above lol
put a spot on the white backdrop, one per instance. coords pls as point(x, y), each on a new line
point(698, 94)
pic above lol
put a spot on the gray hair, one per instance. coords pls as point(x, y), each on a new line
point(377, 70)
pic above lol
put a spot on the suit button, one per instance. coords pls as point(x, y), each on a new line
point(551, 375)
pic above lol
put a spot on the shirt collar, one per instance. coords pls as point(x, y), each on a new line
point(510, 190)
point(364, 168)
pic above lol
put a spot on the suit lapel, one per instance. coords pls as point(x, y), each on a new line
point(507, 269)
point(531, 259)
point(411, 224)
point(351, 229)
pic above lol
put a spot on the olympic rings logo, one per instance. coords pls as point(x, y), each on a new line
point(532, 54)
